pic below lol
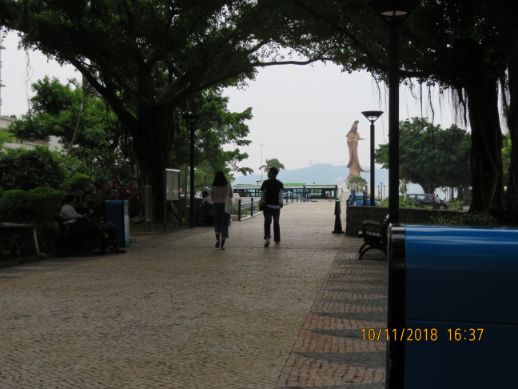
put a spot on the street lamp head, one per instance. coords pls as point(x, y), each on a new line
point(372, 116)
point(392, 10)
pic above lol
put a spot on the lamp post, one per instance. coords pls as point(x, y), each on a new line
point(190, 117)
point(372, 116)
point(393, 12)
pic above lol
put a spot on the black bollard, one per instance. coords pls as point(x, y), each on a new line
point(338, 223)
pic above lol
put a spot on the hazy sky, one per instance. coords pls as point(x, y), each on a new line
point(301, 114)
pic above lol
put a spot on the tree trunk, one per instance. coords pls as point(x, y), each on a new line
point(512, 122)
point(486, 144)
point(428, 188)
point(152, 141)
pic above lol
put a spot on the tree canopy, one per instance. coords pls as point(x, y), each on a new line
point(147, 59)
point(357, 183)
point(92, 134)
point(85, 124)
point(218, 135)
point(5, 137)
point(431, 156)
point(469, 46)
point(272, 162)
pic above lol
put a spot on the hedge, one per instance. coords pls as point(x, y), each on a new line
point(36, 206)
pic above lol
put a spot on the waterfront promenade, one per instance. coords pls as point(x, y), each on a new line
point(174, 312)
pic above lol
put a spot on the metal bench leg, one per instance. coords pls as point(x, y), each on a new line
point(364, 249)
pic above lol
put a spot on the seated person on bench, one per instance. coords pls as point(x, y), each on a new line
point(110, 231)
point(82, 226)
point(79, 226)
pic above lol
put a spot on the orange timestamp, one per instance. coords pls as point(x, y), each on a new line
point(421, 334)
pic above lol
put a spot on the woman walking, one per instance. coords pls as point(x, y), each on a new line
point(221, 193)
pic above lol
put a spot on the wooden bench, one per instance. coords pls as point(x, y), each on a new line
point(69, 243)
point(374, 236)
point(18, 240)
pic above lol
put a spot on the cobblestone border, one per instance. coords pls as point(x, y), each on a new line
point(329, 352)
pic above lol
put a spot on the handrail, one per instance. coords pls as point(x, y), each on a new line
point(246, 207)
point(250, 208)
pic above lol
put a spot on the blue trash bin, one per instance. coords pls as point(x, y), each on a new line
point(116, 212)
point(461, 283)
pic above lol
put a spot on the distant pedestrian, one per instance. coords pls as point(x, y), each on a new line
point(272, 202)
point(221, 195)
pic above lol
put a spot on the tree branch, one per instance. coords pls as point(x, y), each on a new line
point(122, 113)
point(319, 58)
point(342, 30)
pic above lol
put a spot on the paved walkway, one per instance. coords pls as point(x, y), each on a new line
point(176, 313)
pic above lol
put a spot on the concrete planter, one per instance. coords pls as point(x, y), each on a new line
point(356, 215)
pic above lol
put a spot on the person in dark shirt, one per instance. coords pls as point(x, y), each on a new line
point(110, 232)
point(84, 231)
point(272, 202)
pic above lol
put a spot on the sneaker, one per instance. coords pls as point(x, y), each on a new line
point(222, 247)
point(217, 244)
point(266, 242)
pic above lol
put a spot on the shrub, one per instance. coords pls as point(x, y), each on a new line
point(69, 164)
point(357, 184)
point(467, 219)
point(403, 203)
point(27, 169)
point(78, 183)
point(14, 206)
point(456, 204)
point(36, 206)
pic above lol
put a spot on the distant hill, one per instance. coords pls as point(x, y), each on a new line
point(320, 173)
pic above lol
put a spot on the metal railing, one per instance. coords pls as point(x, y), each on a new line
point(247, 208)
point(296, 197)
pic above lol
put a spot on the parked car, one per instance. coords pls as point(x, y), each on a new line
point(424, 199)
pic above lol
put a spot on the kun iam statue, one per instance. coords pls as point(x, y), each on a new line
point(352, 143)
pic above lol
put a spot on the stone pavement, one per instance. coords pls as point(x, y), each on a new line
point(174, 312)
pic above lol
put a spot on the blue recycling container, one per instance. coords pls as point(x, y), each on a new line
point(460, 284)
point(116, 212)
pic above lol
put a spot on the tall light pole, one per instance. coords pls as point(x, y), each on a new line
point(191, 118)
point(372, 116)
point(393, 12)
point(394, 124)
